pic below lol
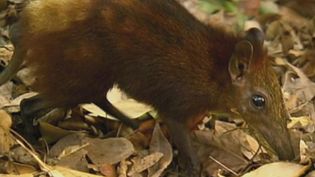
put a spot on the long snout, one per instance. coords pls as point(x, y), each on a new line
point(278, 138)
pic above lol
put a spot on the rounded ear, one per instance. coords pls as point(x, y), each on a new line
point(256, 38)
point(240, 60)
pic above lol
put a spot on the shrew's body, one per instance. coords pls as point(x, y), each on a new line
point(157, 53)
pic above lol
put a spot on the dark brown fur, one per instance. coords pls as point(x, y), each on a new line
point(155, 51)
point(158, 54)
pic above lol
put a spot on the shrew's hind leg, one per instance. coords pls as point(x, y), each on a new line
point(112, 110)
point(33, 108)
point(36, 106)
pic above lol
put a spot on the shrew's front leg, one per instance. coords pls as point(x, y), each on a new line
point(180, 134)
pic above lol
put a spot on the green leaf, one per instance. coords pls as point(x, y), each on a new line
point(210, 6)
point(230, 6)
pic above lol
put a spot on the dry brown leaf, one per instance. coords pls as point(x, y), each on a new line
point(74, 124)
point(302, 122)
point(69, 140)
point(307, 147)
point(65, 172)
point(19, 154)
point(123, 168)
point(5, 95)
point(14, 168)
point(298, 92)
point(6, 140)
point(5, 120)
point(25, 76)
point(6, 52)
point(108, 151)
point(54, 116)
point(71, 149)
point(227, 133)
point(139, 140)
point(308, 58)
point(226, 145)
point(14, 105)
point(99, 151)
point(159, 143)
point(75, 161)
point(141, 164)
point(51, 133)
point(57, 171)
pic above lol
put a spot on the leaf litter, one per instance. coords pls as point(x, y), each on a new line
point(81, 139)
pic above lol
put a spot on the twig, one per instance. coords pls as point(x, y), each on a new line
point(224, 166)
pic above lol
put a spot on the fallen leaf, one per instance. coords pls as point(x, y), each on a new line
point(5, 96)
point(141, 164)
point(6, 141)
point(128, 106)
point(51, 133)
point(122, 168)
point(278, 169)
point(15, 168)
point(5, 120)
point(57, 171)
point(298, 92)
point(108, 151)
point(303, 122)
point(159, 143)
point(76, 161)
point(19, 154)
point(226, 145)
point(13, 106)
point(73, 139)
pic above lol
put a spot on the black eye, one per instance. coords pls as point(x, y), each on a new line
point(258, 101)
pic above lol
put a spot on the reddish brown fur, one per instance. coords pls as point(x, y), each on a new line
point(158, 54)
point(155, 51)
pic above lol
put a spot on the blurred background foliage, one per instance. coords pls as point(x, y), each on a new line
point(241, 10)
